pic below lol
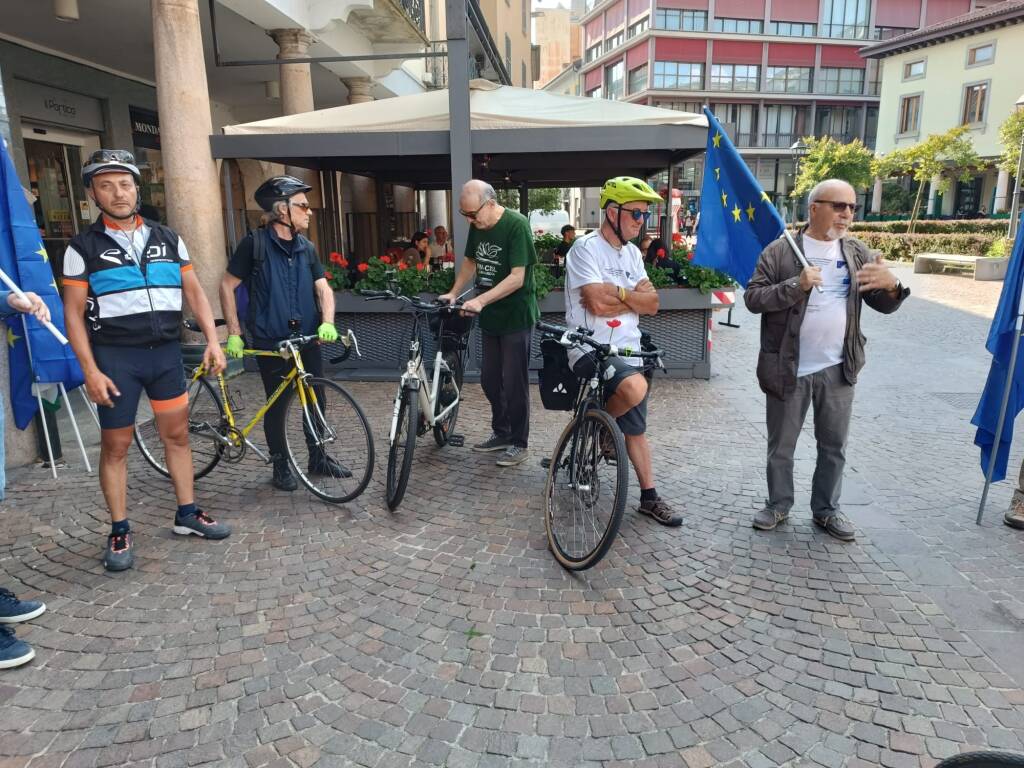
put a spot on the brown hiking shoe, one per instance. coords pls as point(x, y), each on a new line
point(767, 518)
point(661, 512)
point(1014, 516)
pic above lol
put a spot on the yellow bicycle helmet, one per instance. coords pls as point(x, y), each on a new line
point(628, 189)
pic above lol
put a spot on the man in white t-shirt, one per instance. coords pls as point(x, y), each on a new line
point(606, 289)
point(812, 348)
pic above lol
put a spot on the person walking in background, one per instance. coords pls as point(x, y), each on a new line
point(812, 348)
point(501, 258)
point(15, 652)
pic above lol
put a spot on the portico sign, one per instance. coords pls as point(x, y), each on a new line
point(55, 105)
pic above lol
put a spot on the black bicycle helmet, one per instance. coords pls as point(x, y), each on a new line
point(278, 188)
point(110, 161)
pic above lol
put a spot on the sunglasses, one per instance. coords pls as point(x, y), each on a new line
point(112, 156)
point(636, 213)
point(304, 206)
point(472, 215)
point(840, 207)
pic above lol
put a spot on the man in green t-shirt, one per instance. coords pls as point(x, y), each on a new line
point(500, 258)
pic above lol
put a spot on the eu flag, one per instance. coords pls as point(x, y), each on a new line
point(24, 259)
point(1001, 338)
point(737, 220)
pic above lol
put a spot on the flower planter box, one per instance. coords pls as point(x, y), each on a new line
point(382, 327)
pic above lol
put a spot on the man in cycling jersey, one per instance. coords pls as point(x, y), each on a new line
point(288, 295)
point(606, 289)
point(124, 278)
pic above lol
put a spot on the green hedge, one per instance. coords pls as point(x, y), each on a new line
point(905, 247)
point(933, 226)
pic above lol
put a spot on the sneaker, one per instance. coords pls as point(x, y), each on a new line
point(13, 652)
point(328, 467)
point(1014, 516)
point(201, 524)
point(284, 478)
point(492, 443)
point(120, 554)
point(767, 518)
point(660, 511)
point(837, 525)
point(514, 454)
point(13, 610)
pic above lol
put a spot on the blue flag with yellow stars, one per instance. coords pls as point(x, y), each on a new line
point(24, 259)
point(737, 220)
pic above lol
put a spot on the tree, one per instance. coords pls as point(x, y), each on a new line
point(934, 161)
point(1009, 136)
point(547, 199)
point(830, 159)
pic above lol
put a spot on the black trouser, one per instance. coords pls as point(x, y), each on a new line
point(272, 371)
point(505, 378)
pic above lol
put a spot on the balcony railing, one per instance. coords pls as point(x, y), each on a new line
point(780, 140)
point(414, 9)
point(846, 31)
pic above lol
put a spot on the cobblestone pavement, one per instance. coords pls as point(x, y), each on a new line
point(445, 634)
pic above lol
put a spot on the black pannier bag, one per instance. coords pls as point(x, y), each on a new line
point(451, 329)
point(559, 386)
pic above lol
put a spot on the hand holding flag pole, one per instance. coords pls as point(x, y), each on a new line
point(792, 244)
point(20, 294)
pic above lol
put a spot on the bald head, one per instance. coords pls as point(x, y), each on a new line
point(824, 190)
point(830, 209)
point(477, 192)
point(478, 203)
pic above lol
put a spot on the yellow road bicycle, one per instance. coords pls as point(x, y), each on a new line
point(321, 420)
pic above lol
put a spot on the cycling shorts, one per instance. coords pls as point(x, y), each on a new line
point(157, 369)
point(634, 421)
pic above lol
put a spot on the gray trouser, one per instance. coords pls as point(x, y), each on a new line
point(505, 380)
point(833, 402)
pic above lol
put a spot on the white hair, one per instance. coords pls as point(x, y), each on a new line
point(822, 186)
point(481, 189)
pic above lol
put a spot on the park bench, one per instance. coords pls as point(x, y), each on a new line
point(983, 267)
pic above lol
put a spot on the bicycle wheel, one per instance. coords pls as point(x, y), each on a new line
point(401, 449)
point(983, 760)
point(586, 490)
point(329, 442)
point(449, 387)
point(206, 422)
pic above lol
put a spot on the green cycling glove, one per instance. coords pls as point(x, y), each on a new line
point(234, 346)
point(327, 332)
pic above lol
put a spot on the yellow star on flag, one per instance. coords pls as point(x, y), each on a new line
point(764, 196)
point(42, 252)
point(725, 200)
point(736, 212)
point(750, 211)
point(11, 338)
point(717, 139)
point(717, 171)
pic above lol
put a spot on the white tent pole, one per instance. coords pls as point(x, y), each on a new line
point(74, 423)
point(35, 386)
point(90, 406)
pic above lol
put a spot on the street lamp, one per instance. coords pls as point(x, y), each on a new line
point(1015, 206)
point(798, 150)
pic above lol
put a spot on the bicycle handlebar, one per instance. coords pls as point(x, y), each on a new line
point(585, 336)
point(414, 301)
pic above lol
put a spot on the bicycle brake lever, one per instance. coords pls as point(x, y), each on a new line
point(350, 340)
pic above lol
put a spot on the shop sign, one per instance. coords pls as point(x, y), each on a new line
point(55, 105)
point(145, 128)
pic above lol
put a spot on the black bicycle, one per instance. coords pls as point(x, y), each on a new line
point(425, 402)
point(588, 473)
point(984, 760)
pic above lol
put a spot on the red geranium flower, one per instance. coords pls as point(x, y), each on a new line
point(661, 253)
point(613, 323)
point(677, 237)
point(420, 266)
point(343, 262)
point(402, 266)
point(385, 259)
point(363, 267)
point(328, 275)
point(335, 257)
point(689, 256)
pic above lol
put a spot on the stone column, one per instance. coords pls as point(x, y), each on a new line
point(932, 192)
point(1002, 183)
point(297, 92)
point(358, 89)
point(876, 196)
point(190, 173)
point(437, 208)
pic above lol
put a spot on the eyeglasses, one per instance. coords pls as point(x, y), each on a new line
point(636, 213)
point(840, 207)
point(112, 156)
point(472, 216)
point(304, 206)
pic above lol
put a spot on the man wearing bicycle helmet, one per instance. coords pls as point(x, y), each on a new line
point(124, 279)
point(288, 296)
point(606, 289)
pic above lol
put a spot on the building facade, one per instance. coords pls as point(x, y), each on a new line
point(964, 71)
point(772, 71)
point(559, 41)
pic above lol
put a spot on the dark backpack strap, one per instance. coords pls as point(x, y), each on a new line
point(259, 254)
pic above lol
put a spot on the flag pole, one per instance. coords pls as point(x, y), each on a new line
point(21, 295)
point(792, 244)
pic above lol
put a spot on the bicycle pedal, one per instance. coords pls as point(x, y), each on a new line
point(546, 462)
point(456, 441)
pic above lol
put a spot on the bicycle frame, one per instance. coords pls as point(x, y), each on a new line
point(415, 375)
